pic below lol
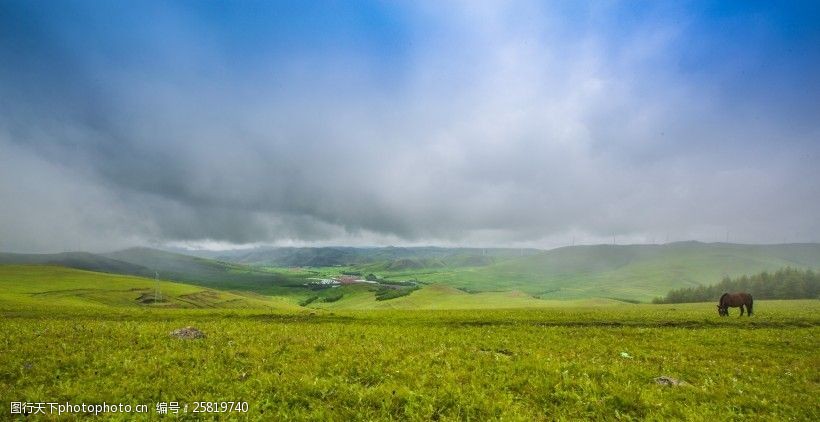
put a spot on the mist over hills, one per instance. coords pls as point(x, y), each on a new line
point(624, 272)
point(632, 272)
point(147, 262)
point(78, 260)
point(346, 255)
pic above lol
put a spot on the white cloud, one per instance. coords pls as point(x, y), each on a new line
point(501, 126)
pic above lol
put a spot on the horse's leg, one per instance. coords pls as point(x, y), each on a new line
point(741, 310)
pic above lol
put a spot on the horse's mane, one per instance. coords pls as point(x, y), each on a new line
point(721, 297)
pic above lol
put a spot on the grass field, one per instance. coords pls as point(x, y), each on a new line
point(506, 277)
point(634, 272)
point(38, 285)
point(444, 297)
point(576, 361)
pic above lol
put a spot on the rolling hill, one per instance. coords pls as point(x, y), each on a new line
point(205, 272)
point(628, 272)
point(619, 272)
point(146, 262)
point(78, 260)
point(34, 285)
point(441, 297)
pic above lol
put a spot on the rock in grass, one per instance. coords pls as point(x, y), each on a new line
point(673, 382)
point(187, 333)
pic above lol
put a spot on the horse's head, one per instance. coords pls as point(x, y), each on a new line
point(723, 310)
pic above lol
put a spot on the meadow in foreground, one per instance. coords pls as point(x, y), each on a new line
point(562, 363)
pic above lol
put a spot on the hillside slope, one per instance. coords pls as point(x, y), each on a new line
point(622, 272)
point(441, 297)
point(79, 260)
point(146, 262)
point(206, 272)
point(44, 285)
point(633, 272)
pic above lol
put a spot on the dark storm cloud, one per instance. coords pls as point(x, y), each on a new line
point(514, 124)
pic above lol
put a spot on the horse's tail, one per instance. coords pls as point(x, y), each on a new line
point(751, 302)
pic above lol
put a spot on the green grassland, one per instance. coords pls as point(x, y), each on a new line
point(146, 262)
point(499, 277)
point(444, 297)
point(208, 272)
point(571, 362)
point(39, 285)
point(635, 272)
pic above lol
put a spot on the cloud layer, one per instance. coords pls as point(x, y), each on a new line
point(509, 124)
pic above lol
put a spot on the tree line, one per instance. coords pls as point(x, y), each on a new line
point(786, 283)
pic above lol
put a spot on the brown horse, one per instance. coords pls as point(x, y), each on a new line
point(735, 300)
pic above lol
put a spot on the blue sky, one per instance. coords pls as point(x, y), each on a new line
point(469, 123)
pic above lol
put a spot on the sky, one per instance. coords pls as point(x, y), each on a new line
point(215, 124)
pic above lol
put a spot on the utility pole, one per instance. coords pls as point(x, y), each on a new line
point(157, 293)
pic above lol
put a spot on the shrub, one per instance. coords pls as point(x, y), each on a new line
point(387, 293)
point(333, 297)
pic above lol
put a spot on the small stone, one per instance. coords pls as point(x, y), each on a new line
point(187, 333)
point(673, 382)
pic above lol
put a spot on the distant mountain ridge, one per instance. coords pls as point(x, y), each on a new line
point(624, 272)
point(329, 256)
